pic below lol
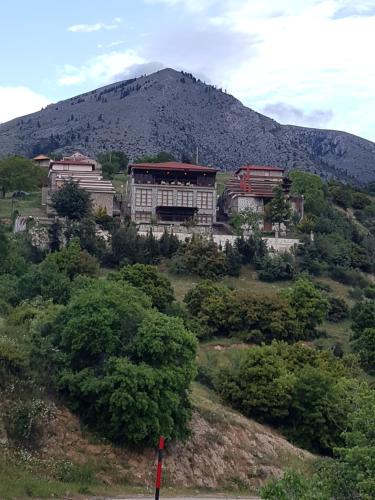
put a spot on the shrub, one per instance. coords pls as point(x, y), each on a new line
point(277, 267)
point(338, 309)
point(150, 281)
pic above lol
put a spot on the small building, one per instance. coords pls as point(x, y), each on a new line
point(253, 186)
point(42, 161)
point(87, 173)
point(172, 193)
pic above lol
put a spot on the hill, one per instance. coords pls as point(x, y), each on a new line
point(225, 452)
point(175, 112)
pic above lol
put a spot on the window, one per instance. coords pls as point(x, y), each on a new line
point(143, 198)
point(165, 197)
point(143, 216)
point(204, 199)
point(204, 219)
point(184, 198)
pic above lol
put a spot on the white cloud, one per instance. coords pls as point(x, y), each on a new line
point(89, 28)
point(101, 69)
point(191, 5)
point(110, 45)
point(19, 101)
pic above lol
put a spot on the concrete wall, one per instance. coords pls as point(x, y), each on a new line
point(275, 244)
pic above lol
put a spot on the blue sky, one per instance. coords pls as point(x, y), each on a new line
point(305, 62)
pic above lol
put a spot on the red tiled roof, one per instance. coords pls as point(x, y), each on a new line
point(260, 167)
point(171, 165)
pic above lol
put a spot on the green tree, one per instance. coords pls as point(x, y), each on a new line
point(17, 173)
point(278, 209)
point(312, 188)
point(309, 303)
point(126, 245)
point(150, 281)
point(245, 222)
point(233, 260)
point(112, 163)
point(364, 345)
point(4, 246)
point(363, 316)
point(71, 201)
point(125, 368)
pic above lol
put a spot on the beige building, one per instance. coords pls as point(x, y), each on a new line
point(42, 161)
point(87, 173)
point(171, 193)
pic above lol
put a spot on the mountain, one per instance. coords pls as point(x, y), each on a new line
point(173, 111)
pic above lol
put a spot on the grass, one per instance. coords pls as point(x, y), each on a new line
point(25, 477)
point(221, 179)
point(119, 182)
point(30, 205)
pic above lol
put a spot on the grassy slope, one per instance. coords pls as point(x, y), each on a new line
point(30, 205)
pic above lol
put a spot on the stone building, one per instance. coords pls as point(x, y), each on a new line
point(252, 186)
point(172, 193)
point(87, 173)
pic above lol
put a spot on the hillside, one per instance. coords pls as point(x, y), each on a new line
point(226, 451)
point(175, 112)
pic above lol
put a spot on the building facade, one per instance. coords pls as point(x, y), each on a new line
point(87, 173)
point(172, 193)
point(252, 187)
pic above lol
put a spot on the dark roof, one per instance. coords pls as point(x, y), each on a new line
point(260, 167)
point(171, 165)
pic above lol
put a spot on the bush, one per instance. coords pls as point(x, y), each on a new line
point(200, 256)
point(277, 267)
point(338, 309)
point(304, 391)
point(150, 281)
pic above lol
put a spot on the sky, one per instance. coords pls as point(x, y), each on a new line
point(302, 62)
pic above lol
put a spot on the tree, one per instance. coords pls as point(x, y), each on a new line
point(17, 173)
point(71, 201)
point(233, 260)
point(125, 368)
point(312, 188)
point(363, 316)
point(309, 303)
point(246, 222)
point(4, 246)
point(341, 194)
point(364, 345)
point(199, 256)
point(278, 209)
point(168, 244)
point(277, 267)
point(125, 245)
point(112, 163)
point(150, 281)
point(338, 309)
point(73, 261)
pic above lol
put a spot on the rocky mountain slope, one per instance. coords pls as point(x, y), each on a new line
point(175, 112)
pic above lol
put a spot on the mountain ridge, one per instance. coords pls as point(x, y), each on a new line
point(176, 112)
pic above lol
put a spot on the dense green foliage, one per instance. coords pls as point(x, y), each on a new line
point(113, 163)
point(17, 173)
point(302, 390)
point(71, 201)
point(150, 281)
point(290, 316)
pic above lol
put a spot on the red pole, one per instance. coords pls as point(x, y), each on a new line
point(159, 468)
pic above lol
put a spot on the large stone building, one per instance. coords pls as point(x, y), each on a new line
point(172, 193)
point(87, 173)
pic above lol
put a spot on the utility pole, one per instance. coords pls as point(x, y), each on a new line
point(159, 468)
